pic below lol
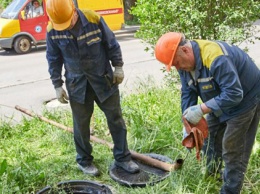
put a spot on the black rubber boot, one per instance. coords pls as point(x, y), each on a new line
point(90, 169)
point(128, 166)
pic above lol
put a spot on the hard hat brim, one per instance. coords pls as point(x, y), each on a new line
point(62, 26)
point(168, 67)
point(166, 47)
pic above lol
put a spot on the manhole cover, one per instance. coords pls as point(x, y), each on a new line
point(148, 175)
point(77, 187)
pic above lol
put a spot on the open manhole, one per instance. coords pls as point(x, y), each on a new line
point(148, 175)
point(77, 187)
point(54, 103)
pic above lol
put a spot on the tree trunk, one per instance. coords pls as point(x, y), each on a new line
point(127, 5)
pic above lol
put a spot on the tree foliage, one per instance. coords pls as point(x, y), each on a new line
point(4, 3)
point(228, 20)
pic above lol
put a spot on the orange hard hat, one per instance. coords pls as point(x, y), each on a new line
point(166, 47)
point(60, 13)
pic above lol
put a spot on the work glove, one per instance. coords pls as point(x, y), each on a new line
point(193, 114)
point(61, 95)
point(118, 76)
point(195, 135)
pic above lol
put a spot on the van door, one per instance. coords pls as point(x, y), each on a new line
point(34, 22)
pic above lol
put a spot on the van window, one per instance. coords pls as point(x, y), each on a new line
point(12, 10)
point(35, 9)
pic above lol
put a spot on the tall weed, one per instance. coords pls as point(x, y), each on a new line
point(34, 154)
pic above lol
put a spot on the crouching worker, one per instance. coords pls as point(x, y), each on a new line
point(227, 81)
point(87, 48)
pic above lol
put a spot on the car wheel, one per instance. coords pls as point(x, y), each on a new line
point(22, 45)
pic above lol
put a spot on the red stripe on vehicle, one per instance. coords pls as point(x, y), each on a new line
point(110, 11)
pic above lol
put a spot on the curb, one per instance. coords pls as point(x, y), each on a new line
point(127, 29)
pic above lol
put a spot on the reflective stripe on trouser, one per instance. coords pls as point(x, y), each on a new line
point(81, 123)
point(235, 140)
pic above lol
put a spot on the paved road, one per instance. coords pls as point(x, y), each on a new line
point(24, 79)
point(19, 87)
point(254, 48)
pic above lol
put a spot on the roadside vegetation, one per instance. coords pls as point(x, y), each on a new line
point(34, 154)
point(213, 20)
point(4, 3)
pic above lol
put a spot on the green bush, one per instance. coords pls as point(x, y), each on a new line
point(4, 3)
point(223, 20)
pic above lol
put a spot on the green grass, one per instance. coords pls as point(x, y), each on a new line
point(34, 154)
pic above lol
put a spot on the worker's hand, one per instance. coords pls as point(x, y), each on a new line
point(193, 114)
point(61, 95)
point(118, 76)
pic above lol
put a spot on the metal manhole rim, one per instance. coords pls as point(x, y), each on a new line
point(71, 184)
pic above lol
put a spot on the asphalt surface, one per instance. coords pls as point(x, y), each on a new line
point(32, 92)
point(253, 48)
point(137, 69)
point(253, 51)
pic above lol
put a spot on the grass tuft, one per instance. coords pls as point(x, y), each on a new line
point(35, 154)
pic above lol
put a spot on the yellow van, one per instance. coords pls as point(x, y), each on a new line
point(21, 33)
point(111, 10)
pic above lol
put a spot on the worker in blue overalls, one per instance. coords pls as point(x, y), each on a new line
point(227, 82)
point(82, 43)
